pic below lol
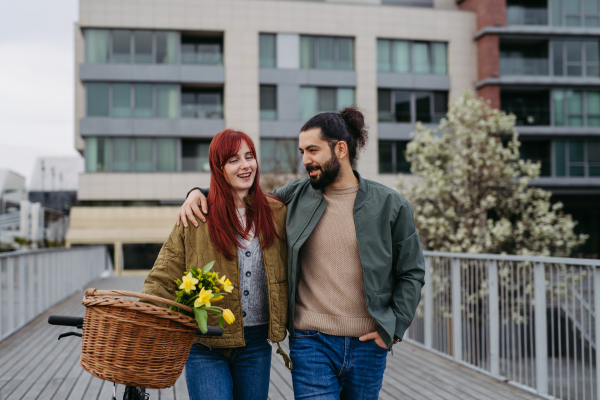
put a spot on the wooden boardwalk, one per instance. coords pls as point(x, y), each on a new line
point(34, 365)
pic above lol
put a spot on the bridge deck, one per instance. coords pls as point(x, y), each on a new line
point(34, 365)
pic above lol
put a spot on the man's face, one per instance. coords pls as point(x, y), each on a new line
point(320, 161)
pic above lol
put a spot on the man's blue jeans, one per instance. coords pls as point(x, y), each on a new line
point(241, 373)
point(336, 367)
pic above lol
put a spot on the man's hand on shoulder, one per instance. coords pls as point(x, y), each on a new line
point(191, 207)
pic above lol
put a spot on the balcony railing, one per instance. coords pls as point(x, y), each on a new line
point(31, 282)
point(524, 66)
point(519, 15)
point(528, 320)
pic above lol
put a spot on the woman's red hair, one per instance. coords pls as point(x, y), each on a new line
point(224, 225)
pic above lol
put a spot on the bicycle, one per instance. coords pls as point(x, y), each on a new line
point(131, 392)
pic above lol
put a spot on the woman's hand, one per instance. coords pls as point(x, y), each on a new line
point(191, 207)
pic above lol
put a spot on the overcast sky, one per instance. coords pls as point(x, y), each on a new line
point(36, 82)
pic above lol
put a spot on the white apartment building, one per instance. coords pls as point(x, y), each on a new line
point(155, 81)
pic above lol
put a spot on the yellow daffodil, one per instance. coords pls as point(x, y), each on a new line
point(228, 316)
point(203, 298)
point(216, 298)
point(226, 285)
point(188, 283)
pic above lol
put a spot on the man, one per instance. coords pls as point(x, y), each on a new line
point(355, 264)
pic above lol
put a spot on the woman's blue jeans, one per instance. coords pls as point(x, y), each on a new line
point(240, 373)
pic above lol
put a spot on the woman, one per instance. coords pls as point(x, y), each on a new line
point(245, 235)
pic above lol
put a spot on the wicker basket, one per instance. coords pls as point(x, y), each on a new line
point(133, 343)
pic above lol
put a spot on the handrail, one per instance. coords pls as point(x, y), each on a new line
point(506, 257)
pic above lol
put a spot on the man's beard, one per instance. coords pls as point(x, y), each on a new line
point(329, 173)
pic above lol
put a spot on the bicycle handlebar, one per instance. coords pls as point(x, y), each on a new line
point(78, 321)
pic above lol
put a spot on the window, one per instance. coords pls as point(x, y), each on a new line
point(575, 12)
point(527, 12)
point(203, 50)
point(167, 47)
point(121, 47)
point(167, 101)
point(537, 151)
point(577, 158)
point(143, 47)
point(404, 56)
point(392, 157)
point(143, 154)
point(576, 58)
point(121, 100)
point(143, 100)
point(530, 107)
point(397, 106)
point(121, 154)
point(576, 107)
point(326, 52)
point(194, 155)
point(315, 100)
point(96, 154)
point(96, 45)
point(202, 103)
point(524, 58)
point(279, 155)
point(97, 99)
point(266, 49)
point(166, 155)
point(268, 102)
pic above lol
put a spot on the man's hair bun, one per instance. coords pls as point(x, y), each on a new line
point(355, 120)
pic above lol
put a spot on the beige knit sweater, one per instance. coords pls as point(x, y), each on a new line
point(331, 291)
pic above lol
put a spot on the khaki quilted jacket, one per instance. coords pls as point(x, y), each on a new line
point(193, 247)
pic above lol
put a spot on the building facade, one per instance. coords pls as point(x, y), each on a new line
point(540, 59)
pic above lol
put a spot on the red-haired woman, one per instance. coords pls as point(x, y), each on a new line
point(245, 235)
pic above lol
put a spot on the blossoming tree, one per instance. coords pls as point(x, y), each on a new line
point(472, 192)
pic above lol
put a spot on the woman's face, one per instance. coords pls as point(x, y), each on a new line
point(240, 170)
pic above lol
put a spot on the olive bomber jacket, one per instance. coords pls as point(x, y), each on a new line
point(193, 247)
point(388, 244)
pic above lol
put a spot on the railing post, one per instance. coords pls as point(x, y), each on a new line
point(10, 293)
point(22, 297)
point(541, 338)
point(428, 311)
point(597, 319)
point(494, 315)
point(1, 301)
point(456, 310)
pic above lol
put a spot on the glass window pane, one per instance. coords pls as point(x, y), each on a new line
point(143, 155)
point(537, 151)
point(401, 56)
point(121, 46)
point(384, 105)
point(384, 56)
point(143, 100)
point(594, 171)
point(167, 101)
point(574, 70)
point(576, 150)
point(188, 53)
point(558, 97)
point(573, 20)
point(402, 165)
point(591, 6)
point(121, 154)
point(345, 48)
point(97, 99)
point(573, 51)
point(194, 155)
point(421, 62)
point(209, 105)
point(593, 151)
point(210, 54)
point(593, 120)
point(287, 154)
point(385, 157)
point(345, 98)
point(576, 171)
point(559, 156)
point(97, 154)
point(326, 53)
point(327, 99)
point(440, 61)
point(307, 52)
point(592, 21)
point(557, 57)
point(440, 105)
point(308, 103)
point(572, 6)
point(592, 70)
point(96, 45)
point(143, 47)
point(557, 12)
point(188, 105)
point(402, 105)
point(166, 155)
point(575, 120)
point(529, 107)
point(167, 44)
point(423, 103)
point(266, 49)
point(268, 102)
point(121, 103)
point(575, 102)
point(593, 102)
point(267, 155)
point(591, 52)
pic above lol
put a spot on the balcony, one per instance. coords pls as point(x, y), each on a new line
point(527, 12)
point(524, 58)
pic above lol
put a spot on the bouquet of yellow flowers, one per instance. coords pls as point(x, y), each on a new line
point(201, 288)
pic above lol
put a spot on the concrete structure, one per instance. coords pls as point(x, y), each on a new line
point(12, 191)
point(54, 182)
point(155, 81)
point(540, 60)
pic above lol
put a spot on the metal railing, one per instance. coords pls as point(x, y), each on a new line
point(528, 320)
point(31, 282)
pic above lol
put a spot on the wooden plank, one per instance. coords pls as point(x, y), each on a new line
point(80, 387)
point(166, 394)
point(93, 389)
point(180, 387)
point(106, 391)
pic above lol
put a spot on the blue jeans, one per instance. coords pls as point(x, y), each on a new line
point(240, 373)
point(336, 367)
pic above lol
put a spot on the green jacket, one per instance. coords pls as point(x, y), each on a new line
point(388, 244)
